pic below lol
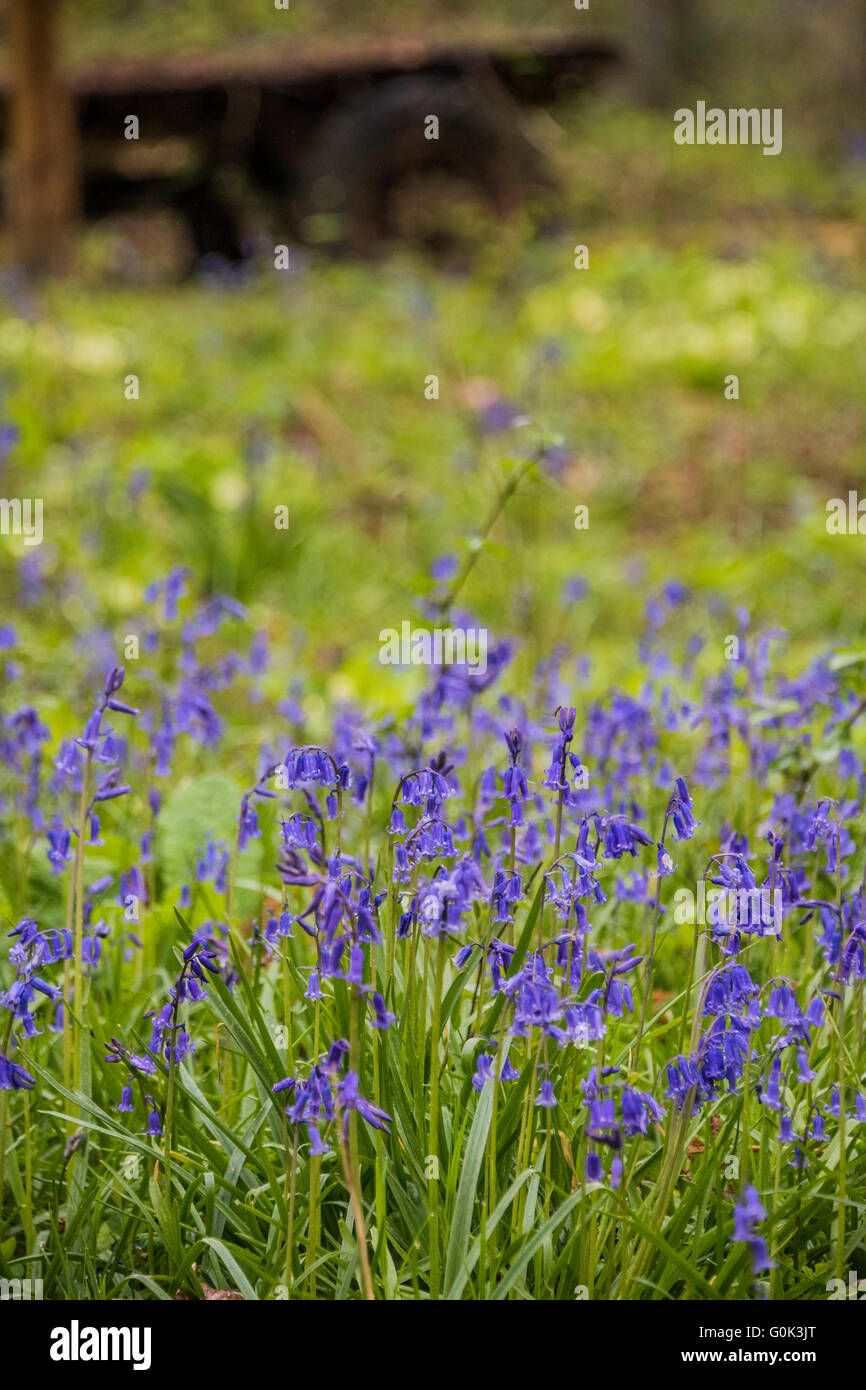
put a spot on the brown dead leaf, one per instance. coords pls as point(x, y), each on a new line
point(211, 1295)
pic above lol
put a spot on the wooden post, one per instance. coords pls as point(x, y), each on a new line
point(42, 179)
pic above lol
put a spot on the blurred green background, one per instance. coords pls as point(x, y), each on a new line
point(307, 389)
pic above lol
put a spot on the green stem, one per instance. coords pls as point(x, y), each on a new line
point(355, 1066)
point(315, 1170)
point(475, 550)
point(745, 1116)
point(80, 1021)
point(433, 1140)
point(4, 1120)
point(292, 1164)
point(681, 1040)
point(648, 976)
point(355, 1199)
point(843, 1124)
point(843, 1119)
point(68, 1039)
point(169, 1097)
point(287, 1007)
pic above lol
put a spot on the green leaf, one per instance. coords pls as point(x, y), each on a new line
point(473, 1157)
point(207, 805)
point(455, 1290)
point(518, 1268)
point(228, 1260)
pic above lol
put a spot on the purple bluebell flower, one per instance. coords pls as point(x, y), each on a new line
point(747, 1215)
point(545, 1096)
point(381, 1017)
point(14, 1077)
point(154, 1124)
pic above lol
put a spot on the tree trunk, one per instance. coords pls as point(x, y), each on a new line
point(42, 179)
point(667, 41)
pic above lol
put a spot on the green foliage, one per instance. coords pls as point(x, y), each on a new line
point(308, 391)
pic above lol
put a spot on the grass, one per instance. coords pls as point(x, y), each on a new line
point(468, 1196)
point(307, 391)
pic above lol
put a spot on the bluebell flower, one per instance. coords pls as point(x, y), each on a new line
point(483, 1070)
point(13, 1077)
point(638, 1109)
point(545, 1096)
point(680, 812)
point(381, 1017)
point(782, 1003)
point(154, 1124)
point(351, 1099)
point(594, 1170)
point(747, 1214)
point(317, 1145)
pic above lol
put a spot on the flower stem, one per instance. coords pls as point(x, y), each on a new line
point(80, 1022)
point(648, 977)
point(433, 1140)
point(355, 1199)
point(4, 1120)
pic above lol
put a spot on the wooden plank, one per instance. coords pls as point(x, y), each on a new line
point(312, 59)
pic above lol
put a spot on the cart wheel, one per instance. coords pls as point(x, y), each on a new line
point(375, 163)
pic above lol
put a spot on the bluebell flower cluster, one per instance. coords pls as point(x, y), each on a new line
point(324, 1094)
point(521, 847)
